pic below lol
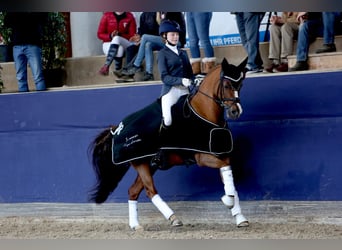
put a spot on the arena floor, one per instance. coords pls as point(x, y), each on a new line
point(202, 220)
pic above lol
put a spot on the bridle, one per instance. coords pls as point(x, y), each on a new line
point(220, 99)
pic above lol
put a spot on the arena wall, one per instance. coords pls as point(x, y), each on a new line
point(287, 144)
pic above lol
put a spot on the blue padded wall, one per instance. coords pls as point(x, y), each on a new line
point(286, 144)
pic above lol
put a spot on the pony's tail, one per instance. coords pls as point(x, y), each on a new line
point(107, 174)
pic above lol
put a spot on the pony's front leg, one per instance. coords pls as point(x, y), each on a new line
point(225, 172)
point(231, 198)
point(145, 177)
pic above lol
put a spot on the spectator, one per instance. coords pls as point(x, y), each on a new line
point(331, 24)
point(26, 40)
point(283, 30)
point(117, 31)
point(248, 25)
point(198, 24)
point(174, 67)
point(148, 26)
point(150, 43)
point(310, 27)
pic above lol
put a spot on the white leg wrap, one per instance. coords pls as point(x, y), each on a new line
point(240, 219)
point(236, 209)
point(162, 206)
point(227, 178)
point(133, 214)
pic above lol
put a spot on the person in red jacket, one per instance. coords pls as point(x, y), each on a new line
point(117, 31)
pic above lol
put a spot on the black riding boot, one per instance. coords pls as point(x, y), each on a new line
point(159, 160)
point(118, 66)
point(113, 49)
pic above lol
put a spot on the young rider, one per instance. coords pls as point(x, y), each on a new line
point(174, 68)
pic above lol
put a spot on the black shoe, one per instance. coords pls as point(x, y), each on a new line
point(130, 71)
point(327, 48)
point(117, 73)
point(299, 66)
point(148, 77)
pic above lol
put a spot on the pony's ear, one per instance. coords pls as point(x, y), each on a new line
point(224, 63)
point(243, 64)
point(242, 67)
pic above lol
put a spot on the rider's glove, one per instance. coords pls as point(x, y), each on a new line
point(186, 82)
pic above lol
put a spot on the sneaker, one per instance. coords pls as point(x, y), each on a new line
point(299, 66)
point(148, 77)
point(104, 70)
point(283, 67)
point(131, 70)
point(117, 73)
point(326, 48)
point(271, 68)
point(253, 71)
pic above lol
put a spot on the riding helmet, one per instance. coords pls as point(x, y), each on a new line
point(169, 26)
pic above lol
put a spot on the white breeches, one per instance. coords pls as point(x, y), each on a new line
point(122, 42)
point(170, 99)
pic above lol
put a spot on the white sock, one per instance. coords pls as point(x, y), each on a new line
point(133, 213)
point(162, 206)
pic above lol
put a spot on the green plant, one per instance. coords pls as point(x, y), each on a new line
point(1, 82)
point(5, 32)
point(54, 41)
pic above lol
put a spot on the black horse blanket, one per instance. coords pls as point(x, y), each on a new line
point(137, 135)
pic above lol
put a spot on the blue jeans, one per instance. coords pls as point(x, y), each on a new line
point(330, 20)
point(31, 54)
point(198, 31)
point(248, 24)
point(307, 33)
point(148, 44)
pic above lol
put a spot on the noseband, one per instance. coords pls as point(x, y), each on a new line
point(220, 99)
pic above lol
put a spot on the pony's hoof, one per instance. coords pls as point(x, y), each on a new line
point(241, 221)
point(175, 222)
point(138, 228)
point(228, 201)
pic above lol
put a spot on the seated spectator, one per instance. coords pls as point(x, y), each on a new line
point(117, 31)
point(248, 24)
point(150, 43)
point(331, 24)
point(148, 25)
point(283, 30)
point(310, 27)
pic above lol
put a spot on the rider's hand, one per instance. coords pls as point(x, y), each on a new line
point(186, 82)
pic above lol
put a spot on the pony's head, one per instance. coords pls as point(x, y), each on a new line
point(231, 78)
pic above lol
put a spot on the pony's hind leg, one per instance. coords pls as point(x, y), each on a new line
point(133, 193)
point(145, 179)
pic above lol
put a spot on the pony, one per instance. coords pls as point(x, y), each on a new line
point(214, 99)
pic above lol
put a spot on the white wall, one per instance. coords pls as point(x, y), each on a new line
point(83, 34)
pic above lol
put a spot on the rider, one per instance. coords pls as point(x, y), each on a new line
point(174, 68)
point(176, 75)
